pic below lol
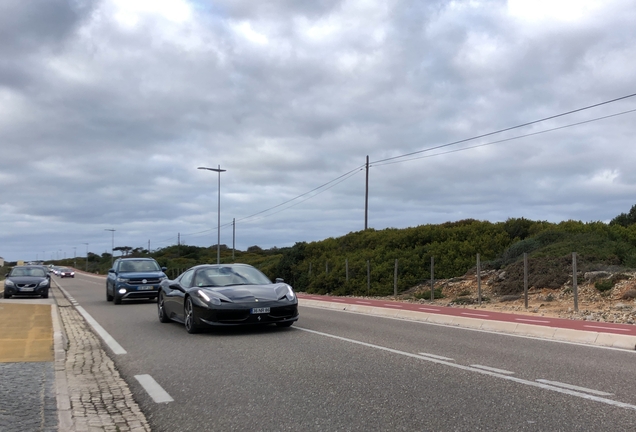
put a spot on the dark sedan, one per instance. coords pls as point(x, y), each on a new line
point(226, 295)
point(27, 280)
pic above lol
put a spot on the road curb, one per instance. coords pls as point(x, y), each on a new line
point(609, 340)
point(64, 414)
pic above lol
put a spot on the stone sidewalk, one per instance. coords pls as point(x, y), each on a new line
point(94, 396)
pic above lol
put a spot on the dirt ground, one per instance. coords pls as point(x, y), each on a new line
point(614, 305)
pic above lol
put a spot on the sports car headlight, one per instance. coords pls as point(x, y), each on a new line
point(290, 293)
point(207, 298)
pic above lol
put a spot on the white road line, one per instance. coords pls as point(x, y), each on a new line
point(573, 387)
point(106, 337)
point(532, 320)
point(492, 369)
point(607, 328)
point(338, 300)
point(429, 309)
point(474, 314)
point(437, 357)
point(481, 371)
point(392, 305)
point(361, 302)
point(154, 390)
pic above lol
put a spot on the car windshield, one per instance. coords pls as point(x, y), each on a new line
point(32, 272)
point(65, 270)
point(230, 275)
point(139, 266)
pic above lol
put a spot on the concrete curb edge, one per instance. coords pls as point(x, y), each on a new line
point(609, 340)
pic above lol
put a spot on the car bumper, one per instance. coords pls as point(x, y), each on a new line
point(235, 315)
point(137, 292)
point(17, 291)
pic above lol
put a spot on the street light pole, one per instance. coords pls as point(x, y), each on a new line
point(86, 257)
point(218, 238)
point(112, 247)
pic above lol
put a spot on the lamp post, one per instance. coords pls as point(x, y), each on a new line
point(218, 232)
point(86, 257)
point(112, 246)
point(74, 256)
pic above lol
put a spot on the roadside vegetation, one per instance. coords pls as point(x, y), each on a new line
point(321, 266)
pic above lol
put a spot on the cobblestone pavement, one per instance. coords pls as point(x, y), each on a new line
point(92, 396)
point(27, 392)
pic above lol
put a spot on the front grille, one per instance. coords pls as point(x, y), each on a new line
point(232, 315)
point(283, 312)
point(153, 281)
point(26, 285)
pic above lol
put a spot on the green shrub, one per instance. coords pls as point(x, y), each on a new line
point(426, 295)
point(604, 285)
point(510, 297)
point(464, 300)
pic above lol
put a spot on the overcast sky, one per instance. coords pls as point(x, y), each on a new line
point(108, 107)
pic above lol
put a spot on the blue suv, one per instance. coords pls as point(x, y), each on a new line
point(134, 278)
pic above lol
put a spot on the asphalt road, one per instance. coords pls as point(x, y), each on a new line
point(337, 371)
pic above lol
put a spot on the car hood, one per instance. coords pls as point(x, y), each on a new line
point(142, 275)
point(249, 293)
point(26, 279)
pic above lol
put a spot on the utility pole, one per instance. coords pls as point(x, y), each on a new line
point(366, 198)
point(233, 237)
point(86, 257)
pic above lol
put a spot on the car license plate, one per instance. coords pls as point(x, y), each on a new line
point(145, 287)
point(27, 289)
point(260, 310)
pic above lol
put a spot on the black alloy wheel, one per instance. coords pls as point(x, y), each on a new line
point(6, 295)
point(190, 319)
point(160, 310)
point(45, 294)
point(116, 299)
point(108, 296)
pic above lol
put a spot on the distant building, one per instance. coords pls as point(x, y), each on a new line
point(1, 262)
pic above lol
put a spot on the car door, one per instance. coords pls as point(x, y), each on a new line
point(173, 303)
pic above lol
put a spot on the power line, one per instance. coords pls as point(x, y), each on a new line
point(503, 140)
point(506, 129)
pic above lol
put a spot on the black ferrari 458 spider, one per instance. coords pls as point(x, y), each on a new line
point(226, 295)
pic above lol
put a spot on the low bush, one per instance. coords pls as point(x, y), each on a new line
point(604, 285)
point(426, 295)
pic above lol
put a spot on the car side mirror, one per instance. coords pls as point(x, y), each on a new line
point(279, 280)
point(175, 286)
point(164, 269)
point(111, 271)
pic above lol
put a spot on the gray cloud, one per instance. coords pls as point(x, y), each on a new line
point(107, 109)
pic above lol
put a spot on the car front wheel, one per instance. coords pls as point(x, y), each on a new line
point(190, 318)
point(108, 296)
point(163, 317)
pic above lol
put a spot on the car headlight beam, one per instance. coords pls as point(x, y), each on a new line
point(290, 293)
point(212, 300)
